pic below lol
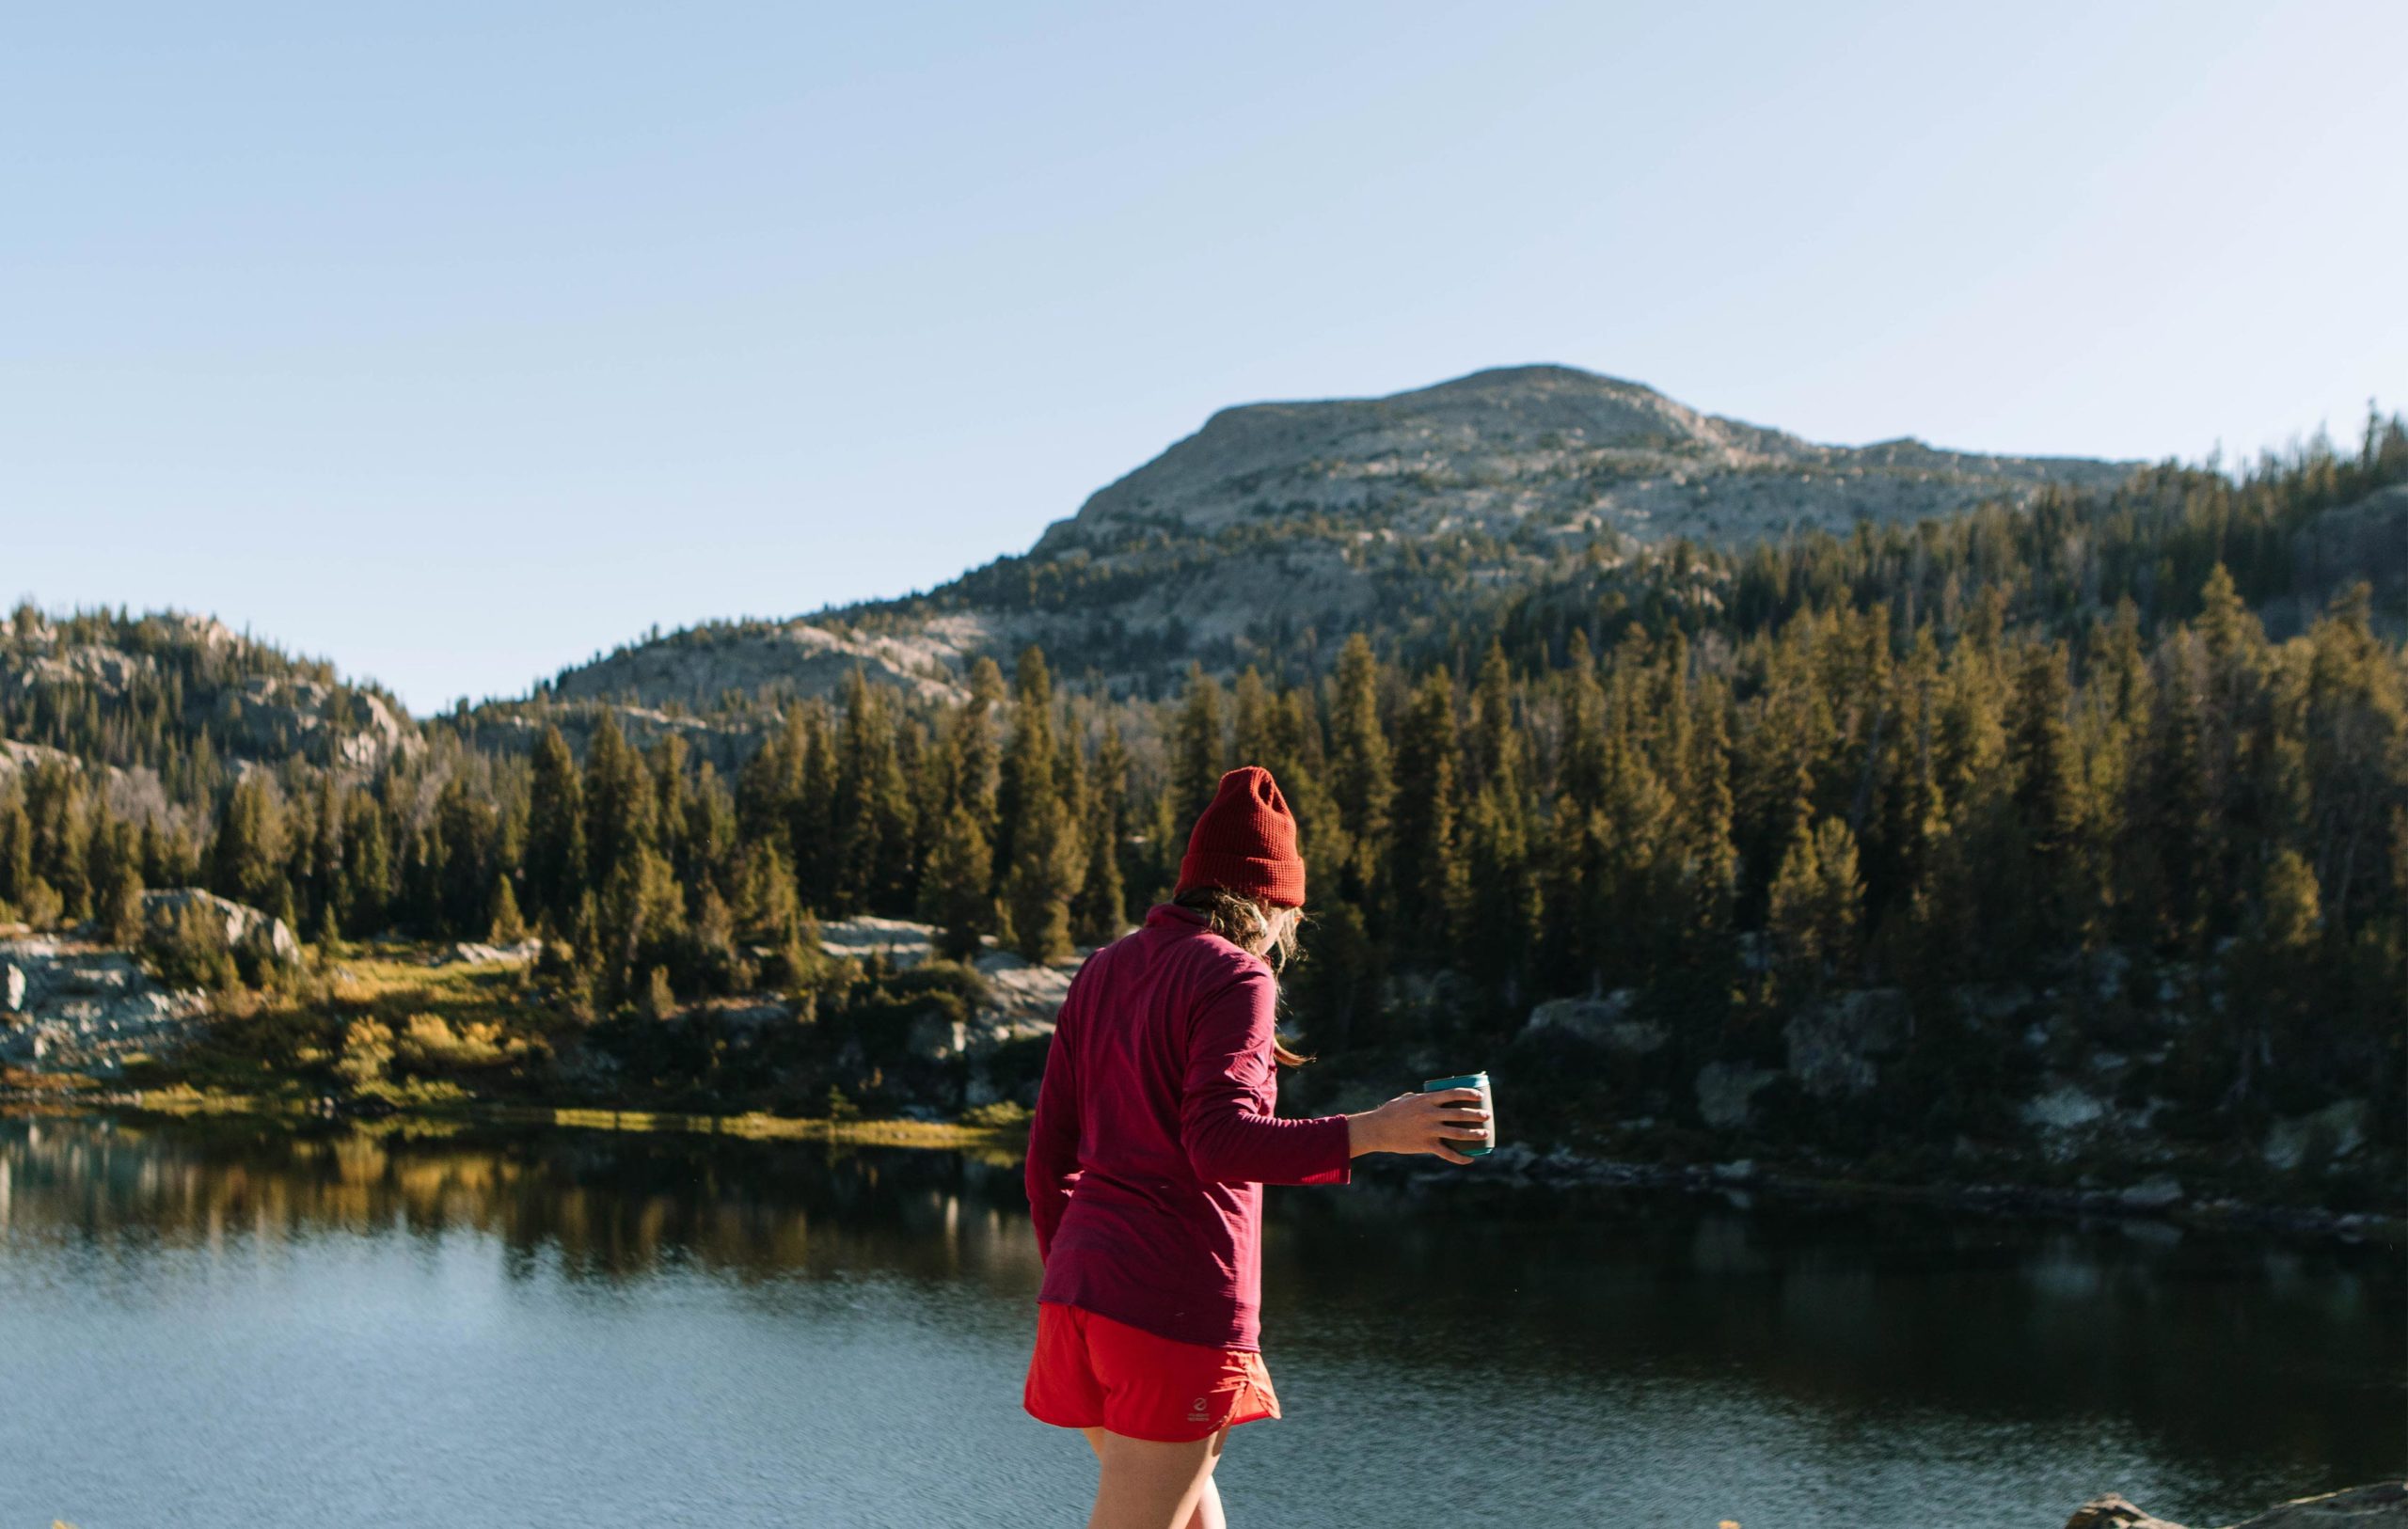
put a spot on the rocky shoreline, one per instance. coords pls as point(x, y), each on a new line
point(76, 1012)
point(1514, 1169)
point(1518, 1168)
point(2382, 1505)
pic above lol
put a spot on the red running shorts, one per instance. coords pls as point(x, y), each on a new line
point(1092, 1372)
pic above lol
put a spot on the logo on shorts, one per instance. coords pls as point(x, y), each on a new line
point(1196, 1413)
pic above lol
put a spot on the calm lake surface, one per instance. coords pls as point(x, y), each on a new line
point(212, 1325)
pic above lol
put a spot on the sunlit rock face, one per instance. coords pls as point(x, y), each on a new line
point(1547, 447)
point(1276, 529)
point(69, 1005)
point(255, 701)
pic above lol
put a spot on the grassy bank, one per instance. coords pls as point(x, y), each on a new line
point(988, 1133)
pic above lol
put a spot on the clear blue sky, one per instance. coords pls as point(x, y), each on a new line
point(456, 342)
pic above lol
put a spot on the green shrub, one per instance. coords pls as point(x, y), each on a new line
point(189, 950)
point(367, 1051)
point(40, 905)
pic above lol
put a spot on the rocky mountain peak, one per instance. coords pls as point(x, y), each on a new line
point(1278, 519)
point(1500, 446)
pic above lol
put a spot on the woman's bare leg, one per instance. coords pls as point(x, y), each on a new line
point(1207, 1508)
point(1145, 1485)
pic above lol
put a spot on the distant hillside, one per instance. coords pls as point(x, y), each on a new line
point(1562, 450)
point(1278, 527)
point(150, 691)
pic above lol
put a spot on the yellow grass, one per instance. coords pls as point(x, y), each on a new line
point(941, 1134)
point(489, 1001)
point(394, 989)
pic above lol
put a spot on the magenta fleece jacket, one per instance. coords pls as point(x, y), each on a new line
point(1155, 1133)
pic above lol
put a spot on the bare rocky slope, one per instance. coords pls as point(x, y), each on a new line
point(1278, 527)
point(172, 673)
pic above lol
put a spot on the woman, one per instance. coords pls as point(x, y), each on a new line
point(1154, 1135)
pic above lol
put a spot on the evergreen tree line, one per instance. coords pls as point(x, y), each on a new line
point(148, 692)
point(1863, 784)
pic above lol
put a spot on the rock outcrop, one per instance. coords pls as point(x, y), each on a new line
point(2331, 1134)
point(1605, 1023)
point(2381, 1505)
point(1836, 1044)
point(1726, 1093)
point(696, 666)
point(269, 717)
point(1547, 444)
point(1022, 996)
point(75, 1007)
point(725, 741)
point(2114, 1512)
point(1275, 520)
point(239, 925)
point(2368, 540)
point(476, 954)
point(253, 700)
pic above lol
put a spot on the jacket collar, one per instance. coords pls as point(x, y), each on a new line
point(1171, 913)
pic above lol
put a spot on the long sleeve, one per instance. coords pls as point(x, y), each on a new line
point(1225, 1119)
point(1054, 1137)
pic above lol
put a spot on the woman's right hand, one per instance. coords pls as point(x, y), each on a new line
point(1420, 1122)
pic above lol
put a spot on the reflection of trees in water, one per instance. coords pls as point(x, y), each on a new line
point(596, 1204)
point(2227, 1347)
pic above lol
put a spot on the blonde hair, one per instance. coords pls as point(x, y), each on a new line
point(1258, 928)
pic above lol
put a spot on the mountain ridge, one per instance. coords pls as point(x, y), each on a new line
point(1277, 516)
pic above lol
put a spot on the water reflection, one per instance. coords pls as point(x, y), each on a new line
point(834, 1336)
point(597, 1205)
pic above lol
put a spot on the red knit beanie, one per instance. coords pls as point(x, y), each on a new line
point(1246, 842)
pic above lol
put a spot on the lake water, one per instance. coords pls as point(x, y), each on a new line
point(212, 1325)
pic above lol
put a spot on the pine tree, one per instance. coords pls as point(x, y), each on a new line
point(769, 913)
point(1839, 897)
point(1043, 879)
point(814, 829)
point(1046, 865)
point(1251, 724)
point(1495, 895)
point(1814, 907)
point(2275, 974)
point(368, 866)
point(861, 742)
point(246, 858)
point(976, 764)
point(2047, 797)
point(768, 785)
point(665, 764)
point(16, 850)
point(959, 874)
point(640, 916)
point(508, 926)
point(1100, 911)
point(121, 906)
point(1024, 778)
point(1359, 778)
point(660, 999)
point(1430, 877)
point(1495, 746)
point(324, 879)
point(618, 802)
point(1197, 750)
point(1711, 857)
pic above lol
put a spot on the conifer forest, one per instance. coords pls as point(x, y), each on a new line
point(2101, 752)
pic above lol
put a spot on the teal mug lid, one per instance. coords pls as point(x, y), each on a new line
point(1469, 1080)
